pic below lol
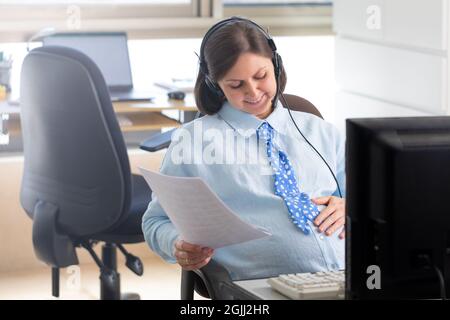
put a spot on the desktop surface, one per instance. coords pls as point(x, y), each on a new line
point(259, 289)
point(329, 285)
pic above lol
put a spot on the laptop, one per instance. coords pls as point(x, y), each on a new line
point(109, 50)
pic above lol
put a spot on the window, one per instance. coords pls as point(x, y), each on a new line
point(92, 1)
point(275, 2)
point(20, 19)
point(285, 17)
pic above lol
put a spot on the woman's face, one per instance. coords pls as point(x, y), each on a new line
point(250, 84)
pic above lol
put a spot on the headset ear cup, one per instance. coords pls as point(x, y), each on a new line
point(277, 63)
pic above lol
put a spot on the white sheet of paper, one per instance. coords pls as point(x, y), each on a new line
point(198, 214)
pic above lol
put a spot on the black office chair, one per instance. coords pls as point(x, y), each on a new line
point(77, 185)
point(213, 280)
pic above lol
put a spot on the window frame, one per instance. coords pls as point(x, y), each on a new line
point(19, 23)
point(288, 19)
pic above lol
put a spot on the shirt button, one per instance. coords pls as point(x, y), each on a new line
point(321, 237)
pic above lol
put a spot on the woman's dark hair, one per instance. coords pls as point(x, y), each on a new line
point(221, 52)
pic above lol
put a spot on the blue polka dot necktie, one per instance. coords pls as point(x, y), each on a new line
point(299, 205)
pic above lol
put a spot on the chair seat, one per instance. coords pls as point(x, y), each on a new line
point(130, 230)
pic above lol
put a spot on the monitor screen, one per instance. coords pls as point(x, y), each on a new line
point(108, 50)
point(398, 216)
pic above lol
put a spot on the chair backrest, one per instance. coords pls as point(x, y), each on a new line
point(297, 103)
point(75, 154)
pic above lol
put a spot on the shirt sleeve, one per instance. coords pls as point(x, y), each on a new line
point(159, 232)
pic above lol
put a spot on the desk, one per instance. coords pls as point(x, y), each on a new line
point(257, 289)
point(134, 118)
point(148, 115)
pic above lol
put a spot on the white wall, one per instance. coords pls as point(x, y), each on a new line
point(391, 58)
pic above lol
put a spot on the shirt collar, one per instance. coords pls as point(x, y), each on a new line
point(246, 124)
point(277, 119)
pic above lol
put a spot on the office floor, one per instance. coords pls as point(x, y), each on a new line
point(161, 281)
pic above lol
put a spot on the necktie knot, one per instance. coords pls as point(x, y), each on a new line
point(265, 131)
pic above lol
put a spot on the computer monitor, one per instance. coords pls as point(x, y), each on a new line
point(109, 51)
point(398, 208)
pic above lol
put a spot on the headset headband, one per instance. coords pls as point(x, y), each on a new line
point(276, 59)
point(222, 23)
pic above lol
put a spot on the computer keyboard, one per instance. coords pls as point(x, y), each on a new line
point(319, 285)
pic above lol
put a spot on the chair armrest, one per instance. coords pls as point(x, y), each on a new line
point(214, 277)
point(157, 142)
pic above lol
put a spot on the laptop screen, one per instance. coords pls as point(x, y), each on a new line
point(108, 50)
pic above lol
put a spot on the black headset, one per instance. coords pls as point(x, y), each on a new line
point(276, 59)
point(277, 64)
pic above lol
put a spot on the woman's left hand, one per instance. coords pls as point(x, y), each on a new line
point(332, 217)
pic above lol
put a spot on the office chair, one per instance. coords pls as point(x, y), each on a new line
point(213, 280)
point(77, 184)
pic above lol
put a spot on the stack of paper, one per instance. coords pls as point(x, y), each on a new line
point(198, 214)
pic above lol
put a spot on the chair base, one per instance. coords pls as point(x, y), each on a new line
point(110, 285)
point(109, 277)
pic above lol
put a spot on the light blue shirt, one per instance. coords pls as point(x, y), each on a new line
point(202, 148)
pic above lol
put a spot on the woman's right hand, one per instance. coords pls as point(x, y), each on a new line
point(191, 256)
